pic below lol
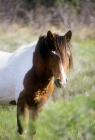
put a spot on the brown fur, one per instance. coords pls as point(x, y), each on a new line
point(38, 82)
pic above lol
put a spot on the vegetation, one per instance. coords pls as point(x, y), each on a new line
point(42, 13)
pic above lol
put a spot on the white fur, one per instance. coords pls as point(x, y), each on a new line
point(13, 67)
point(54, 52)
point(64, 77)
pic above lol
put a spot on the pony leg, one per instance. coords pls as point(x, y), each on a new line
point(33, 115)
point(22, 119)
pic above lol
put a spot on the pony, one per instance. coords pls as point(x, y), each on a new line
point(52, 58)
point(13, 67)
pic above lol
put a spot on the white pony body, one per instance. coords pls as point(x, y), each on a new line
point(13, 67)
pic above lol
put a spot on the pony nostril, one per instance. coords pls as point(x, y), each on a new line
point(58, 80)
point(60, 83)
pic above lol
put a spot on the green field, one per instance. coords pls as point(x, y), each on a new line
point(71, 113)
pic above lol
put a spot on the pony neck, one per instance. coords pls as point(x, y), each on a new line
point(41, 65)
point(43, 75)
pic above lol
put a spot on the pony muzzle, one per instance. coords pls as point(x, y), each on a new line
point(61, 81)
point(60, 84)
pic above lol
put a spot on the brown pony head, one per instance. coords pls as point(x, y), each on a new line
point(56, 56)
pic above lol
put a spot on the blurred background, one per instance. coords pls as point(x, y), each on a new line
point(70, 114)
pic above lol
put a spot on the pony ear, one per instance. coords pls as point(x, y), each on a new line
point(68, 35)
point(49, 35)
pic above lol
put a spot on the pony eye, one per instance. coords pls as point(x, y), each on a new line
point(51, 54)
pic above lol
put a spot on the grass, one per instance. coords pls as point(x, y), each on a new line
point(71, 116)
point(7, 122)
point(69, 120)
point(61, 120)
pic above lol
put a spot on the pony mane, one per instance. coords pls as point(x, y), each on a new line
point(43, 47)
point(39, 55)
